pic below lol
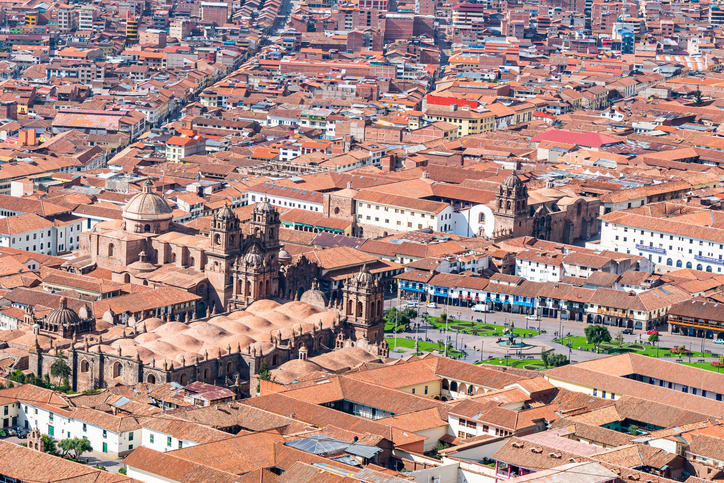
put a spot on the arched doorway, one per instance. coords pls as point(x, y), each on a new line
point(184, 379)
point(300, 292)
point(84, 366)
point(151, 379)
point(201, 309)
point(117, 369)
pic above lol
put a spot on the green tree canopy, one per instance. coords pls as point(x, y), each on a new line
point(596, 334)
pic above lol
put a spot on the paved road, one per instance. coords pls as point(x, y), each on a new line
point(551, 326)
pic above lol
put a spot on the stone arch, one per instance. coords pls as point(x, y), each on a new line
point(173, 257)
point(184, 380)
point(669, 262)
point(359, 309)
point(261, 289)
point(275, 360)
point(708, 268)
point(151, 379)
point(699, 266)
point(206, 374)
point(268, 288)
point(445, 384)
point(218, 239)
point(463, 388)
point(84, 366)
point(229, 367)
point(471, 388)
point(380, 309)
point(146, 228)
point(454, 386)
point(300, 292)
point(372, 308)
point(192, 261)
point(126, 278)
point(349, 307)
point(117, 369)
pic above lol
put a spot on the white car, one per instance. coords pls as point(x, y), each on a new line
point(432, 305)
point(532, 317)
point(411, 303)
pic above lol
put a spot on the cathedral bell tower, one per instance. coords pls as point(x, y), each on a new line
point(364, 299)
point(265, 225)
point(224, 245)
point(511, 206)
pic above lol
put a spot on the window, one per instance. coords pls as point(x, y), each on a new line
point(150, 439)
point(5, 410)
point(425, 391)
point(685, 389)
point(168, 441)
point(130, 436)
point(85, 428)
point(105, 434)
point(595, 392)
point(603, 394)
point(413, 390)
point(50, 417)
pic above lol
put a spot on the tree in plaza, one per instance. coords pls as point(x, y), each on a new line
point(654, 338)
point(400, 318)
point(596, 334)
point(633, 430)
point(60, 368)
point(551, 359)
point(49, 445)
point(443, 317)
point(619, 338)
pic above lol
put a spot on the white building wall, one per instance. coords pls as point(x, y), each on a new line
point(161, 441)
point(663, 248)
point(285, 202)
point(403, 219)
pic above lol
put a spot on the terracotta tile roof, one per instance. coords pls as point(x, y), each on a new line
point(172, 467)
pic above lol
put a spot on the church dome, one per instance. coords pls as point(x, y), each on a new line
point(225, 213)
point(512, 181)
point(147, 206)
point(284, 256)
point(63, 316)
point(254, 259)
point(364, 277)
point(264, 207)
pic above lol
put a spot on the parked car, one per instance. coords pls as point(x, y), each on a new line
point(719, 341)
point(649, 332)
point(532, 317)
point(480, 308)
point(432, 305)
point(23, 433)
point(628, 331)
point(411, 303)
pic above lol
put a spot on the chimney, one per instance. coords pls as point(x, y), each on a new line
point(349, 185)
point(425, 175)
point(453, 107)
point(23, 138)
point(31, 137)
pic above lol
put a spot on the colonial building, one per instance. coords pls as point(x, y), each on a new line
point(226, 268)
point(547, 214)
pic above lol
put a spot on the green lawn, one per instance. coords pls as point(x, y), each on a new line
point(422, 345)
point(479, 328)
point(390, 327)
point(579, 343)
point(702, 365)
point(531, 364)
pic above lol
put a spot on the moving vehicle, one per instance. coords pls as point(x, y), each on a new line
point(411, 303)
point(649, 332)
point(480, 308)
point(719, 341)
point(532, 317)
point(432, 305)
point(627, 331)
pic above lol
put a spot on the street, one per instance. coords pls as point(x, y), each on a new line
point(550, 326)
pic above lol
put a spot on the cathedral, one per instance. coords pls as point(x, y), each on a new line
point(227, 269)
point(546, 214)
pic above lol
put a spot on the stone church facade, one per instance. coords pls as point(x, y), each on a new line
point(226, 269)
point(562, 219)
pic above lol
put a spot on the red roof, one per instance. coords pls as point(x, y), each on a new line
point(448, 101)
point(588, 139)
